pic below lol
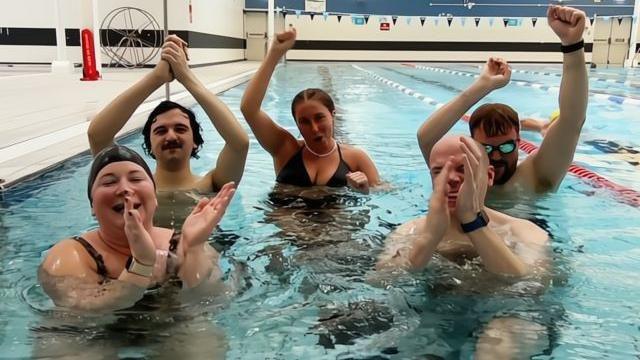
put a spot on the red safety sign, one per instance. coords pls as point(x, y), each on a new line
point(385, 26)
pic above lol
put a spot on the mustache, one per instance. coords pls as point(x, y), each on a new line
point(173, 144)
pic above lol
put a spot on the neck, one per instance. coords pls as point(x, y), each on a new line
point(115, 240)
point(324, 154)
point(174, 177)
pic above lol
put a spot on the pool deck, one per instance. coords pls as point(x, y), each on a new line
point(45, 116)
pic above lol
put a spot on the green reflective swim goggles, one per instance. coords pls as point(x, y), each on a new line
point(504, 148)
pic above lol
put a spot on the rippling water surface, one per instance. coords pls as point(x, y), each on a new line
point(308, 258)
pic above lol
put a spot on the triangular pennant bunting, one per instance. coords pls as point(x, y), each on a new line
point(477, 21)
point(463, 20)
point(394, 19)
point(339, 18)
point(312, 15)
point(505, 22)
point(591, 20)
point(366, 19)
point(534, 21)
point(449, 20)
point(325, 15)
point(619, 20)
point(436, 21)
point(298, 12)
point(422, 20)
point(408, 20)
point(491, 20)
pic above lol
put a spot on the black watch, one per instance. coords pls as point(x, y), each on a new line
point(480, 221)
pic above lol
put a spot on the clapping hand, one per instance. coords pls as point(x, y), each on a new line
point(205, 217)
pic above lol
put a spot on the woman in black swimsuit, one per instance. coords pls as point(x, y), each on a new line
point(110, 267)
point(317, 159)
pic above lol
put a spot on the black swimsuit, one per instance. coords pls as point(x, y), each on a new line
point(295, 173)
point(95, 255)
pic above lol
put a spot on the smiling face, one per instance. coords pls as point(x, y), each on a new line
point(315, 122)
point(112, 183)
point(172, 137)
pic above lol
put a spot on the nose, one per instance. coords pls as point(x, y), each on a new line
point(314, 126)
point(455, 179)
point(495, 155)
point(124, 188)
point(170, 135)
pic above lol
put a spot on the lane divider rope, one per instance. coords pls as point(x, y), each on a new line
point(620, 100)
point(622, 193)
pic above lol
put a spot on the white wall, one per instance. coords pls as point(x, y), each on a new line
point(331, 29)
point(219, 17)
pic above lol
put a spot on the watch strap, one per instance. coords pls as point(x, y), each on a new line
point(573, 47)
point(138, 268)
point(480, 221)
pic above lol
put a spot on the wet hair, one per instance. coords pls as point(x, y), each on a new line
point(312, 94)
point(495, 119)
point(162, 108)
point(111, 154)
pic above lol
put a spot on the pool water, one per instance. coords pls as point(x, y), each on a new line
point(309, 261)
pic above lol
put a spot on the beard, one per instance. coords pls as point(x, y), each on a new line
point(507, 171)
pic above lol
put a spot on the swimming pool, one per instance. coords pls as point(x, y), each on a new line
point(308, 262)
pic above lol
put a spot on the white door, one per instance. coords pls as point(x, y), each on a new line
point(255, 27)
point(620, 34)
point(601, 37)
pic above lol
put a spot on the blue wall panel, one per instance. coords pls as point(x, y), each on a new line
point(515, 8)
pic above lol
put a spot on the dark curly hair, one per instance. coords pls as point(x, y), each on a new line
point(162, 108)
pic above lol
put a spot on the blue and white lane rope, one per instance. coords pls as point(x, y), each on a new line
point(425, 99)
point(620, 100)
point(622, 193)
point(593, 78)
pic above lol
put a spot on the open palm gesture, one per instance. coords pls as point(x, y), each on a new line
point(206, 216)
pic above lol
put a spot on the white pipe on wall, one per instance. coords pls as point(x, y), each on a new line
point(270, 22)
point(60, 64)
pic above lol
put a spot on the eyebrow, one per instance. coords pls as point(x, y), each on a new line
point(132, 172)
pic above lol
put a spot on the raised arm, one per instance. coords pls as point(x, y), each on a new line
point(496, 74)
point(106, 124)
point(556, 151)
point(271, 137)
point(67, 276)
point(231, 161)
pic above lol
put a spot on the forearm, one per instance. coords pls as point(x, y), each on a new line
point(221, 116)
point(422, 251)
point(257, 88)
point(443, 119)
point(574, 90)
point(106, 124)
point(496, 256)
point(78, 294)
point(198, 265)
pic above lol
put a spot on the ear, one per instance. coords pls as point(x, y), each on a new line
point(491, 174)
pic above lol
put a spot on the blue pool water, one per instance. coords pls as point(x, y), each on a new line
point(309, 263)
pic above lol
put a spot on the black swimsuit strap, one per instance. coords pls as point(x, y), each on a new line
point(95, 255)
point(174, 241)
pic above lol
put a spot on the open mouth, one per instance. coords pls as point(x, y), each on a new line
point(119, 208)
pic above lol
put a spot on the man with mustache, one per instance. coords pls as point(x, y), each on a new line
point(497, 126)
point(172, 135)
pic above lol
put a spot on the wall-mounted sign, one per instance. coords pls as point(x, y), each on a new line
point(358, 20)
point(385, 26)
point(318, 6)
point(512, 22)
